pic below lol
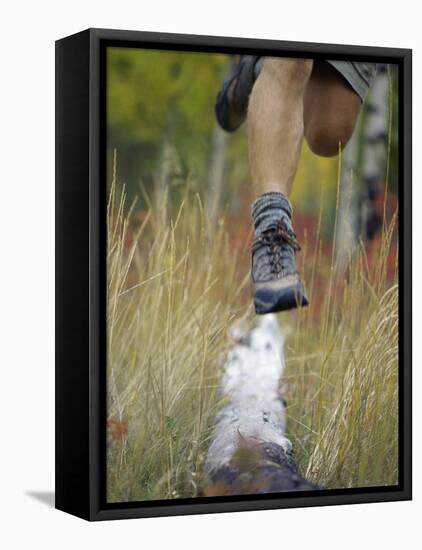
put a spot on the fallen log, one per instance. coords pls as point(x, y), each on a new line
point(250, 452)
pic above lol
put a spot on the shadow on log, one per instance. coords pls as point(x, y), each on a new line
point(250, 453)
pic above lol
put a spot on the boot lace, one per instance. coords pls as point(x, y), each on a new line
point(275, 239)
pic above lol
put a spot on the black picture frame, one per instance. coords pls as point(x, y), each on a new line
point(81, 274)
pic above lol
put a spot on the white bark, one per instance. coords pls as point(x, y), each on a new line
point(217, 164)
point(251, 380)
point(354, 204)
point(376, 129)
point(348, 214)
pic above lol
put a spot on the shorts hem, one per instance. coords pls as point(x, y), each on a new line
point(356, 80)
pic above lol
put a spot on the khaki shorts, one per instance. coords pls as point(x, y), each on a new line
point(359, 75)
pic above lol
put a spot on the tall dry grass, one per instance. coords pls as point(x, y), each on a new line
point(341, 376)
point(175, 285)
point(169, 309)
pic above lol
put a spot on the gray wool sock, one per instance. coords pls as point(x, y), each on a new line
point(270, 208)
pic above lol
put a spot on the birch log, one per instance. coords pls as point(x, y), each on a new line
point(250, 452)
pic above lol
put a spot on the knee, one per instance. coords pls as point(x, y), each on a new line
point(326, 139)
point(288, 71)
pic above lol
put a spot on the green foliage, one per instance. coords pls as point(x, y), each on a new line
point(144, 85)
point(160, 97)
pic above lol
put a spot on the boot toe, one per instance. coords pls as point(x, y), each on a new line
point(272, 300)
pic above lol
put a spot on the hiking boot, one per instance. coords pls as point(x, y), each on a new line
point(232, 100)
point(276, 285)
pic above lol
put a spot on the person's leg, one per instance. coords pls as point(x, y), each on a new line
point(290, 99)
point(275, 134)
point(275, 123)
point(331, 109)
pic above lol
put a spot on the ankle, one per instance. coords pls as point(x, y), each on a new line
point(270, 208)
point(279, 185)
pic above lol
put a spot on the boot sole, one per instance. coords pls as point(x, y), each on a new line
point(247, 73)
point(274, 301)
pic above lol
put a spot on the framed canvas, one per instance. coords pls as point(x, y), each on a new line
point(233, 274)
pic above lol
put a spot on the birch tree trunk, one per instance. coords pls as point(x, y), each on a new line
point(250, 452)
point(364, 165)
point(347, 236)
point(375, 152)
point(217, 162)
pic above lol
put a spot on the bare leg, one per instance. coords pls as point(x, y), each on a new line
point(290, 98)
point(275, 123)
point(331, 108)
